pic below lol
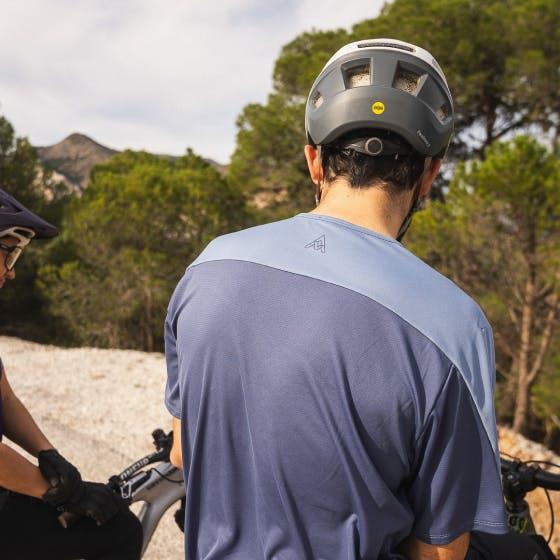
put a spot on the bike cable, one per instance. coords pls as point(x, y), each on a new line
point(166, 477)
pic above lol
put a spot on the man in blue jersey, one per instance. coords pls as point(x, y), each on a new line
point(333, 393)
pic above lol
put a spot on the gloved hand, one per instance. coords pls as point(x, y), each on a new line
point(61, 475)
point(95, 500)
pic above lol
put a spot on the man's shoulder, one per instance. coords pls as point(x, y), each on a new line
point(440, 294)
point(241, 244)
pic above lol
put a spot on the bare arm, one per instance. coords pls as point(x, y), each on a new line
point(176, 456)
point(415, 549)
point(19, 425)
point(19, 475)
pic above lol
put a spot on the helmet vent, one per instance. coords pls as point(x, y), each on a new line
point(358, 76)
point(407, 80)
point(443, 112)
point(386, 45)
point(317, 100)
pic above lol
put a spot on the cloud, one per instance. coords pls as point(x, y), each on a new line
point(147, 74)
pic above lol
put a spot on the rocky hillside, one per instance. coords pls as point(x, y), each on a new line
point(73, 158)
point(100, 406)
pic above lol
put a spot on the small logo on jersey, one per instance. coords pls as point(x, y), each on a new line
point(318, 244)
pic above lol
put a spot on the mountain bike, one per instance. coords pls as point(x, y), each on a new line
point(161, 487)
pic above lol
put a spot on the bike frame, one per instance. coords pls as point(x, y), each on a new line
point(157, 488)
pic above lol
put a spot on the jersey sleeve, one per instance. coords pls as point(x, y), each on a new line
point(456, 486)
point(172, 352)
point(172, 390)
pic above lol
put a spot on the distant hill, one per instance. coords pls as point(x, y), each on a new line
point(72, 159)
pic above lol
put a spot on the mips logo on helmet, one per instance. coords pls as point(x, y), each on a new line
point(378, 108)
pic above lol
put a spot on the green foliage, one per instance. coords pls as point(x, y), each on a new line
point(128, 240)
point(302, 59)
point(534, 69)
point(496, 234)
point(18, 161)
point(21, 306)
point(268, 163)
point(499, 215)
point(500, 58)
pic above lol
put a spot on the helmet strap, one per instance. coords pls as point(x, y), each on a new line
point(318, 183)
point(415, 205)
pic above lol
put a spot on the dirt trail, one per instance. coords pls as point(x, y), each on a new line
point(98, 407)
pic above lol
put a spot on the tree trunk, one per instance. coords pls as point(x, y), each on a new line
point(490, 123)
point(508, 396)
point(523, 381)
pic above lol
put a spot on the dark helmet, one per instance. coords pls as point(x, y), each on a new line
point(381, 85)
point(16, 220)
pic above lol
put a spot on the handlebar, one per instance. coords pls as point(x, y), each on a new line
point(520, 478)
point(162, 442)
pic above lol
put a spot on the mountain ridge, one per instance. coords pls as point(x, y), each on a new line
point(72, 159)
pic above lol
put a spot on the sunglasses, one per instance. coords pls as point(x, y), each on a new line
point(13, 253)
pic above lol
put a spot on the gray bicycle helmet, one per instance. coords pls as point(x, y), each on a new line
point(385, 85)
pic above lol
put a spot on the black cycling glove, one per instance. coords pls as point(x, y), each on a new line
point(94, 500)
point(63, 476)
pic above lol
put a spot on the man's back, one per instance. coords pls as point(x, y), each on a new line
point(332, 389)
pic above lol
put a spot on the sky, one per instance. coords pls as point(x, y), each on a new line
point(160, 75)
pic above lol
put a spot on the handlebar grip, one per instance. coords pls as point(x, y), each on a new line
point(547, 480)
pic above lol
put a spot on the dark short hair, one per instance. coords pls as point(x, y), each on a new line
point(362, 170)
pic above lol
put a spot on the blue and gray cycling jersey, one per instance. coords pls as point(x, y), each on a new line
point(336, 396)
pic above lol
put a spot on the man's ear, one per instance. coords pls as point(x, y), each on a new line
point(429, 176)
point(314, 163)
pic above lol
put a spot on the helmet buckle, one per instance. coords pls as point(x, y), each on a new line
point(374, 146)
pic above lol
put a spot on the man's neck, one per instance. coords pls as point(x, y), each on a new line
point(373, 207)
